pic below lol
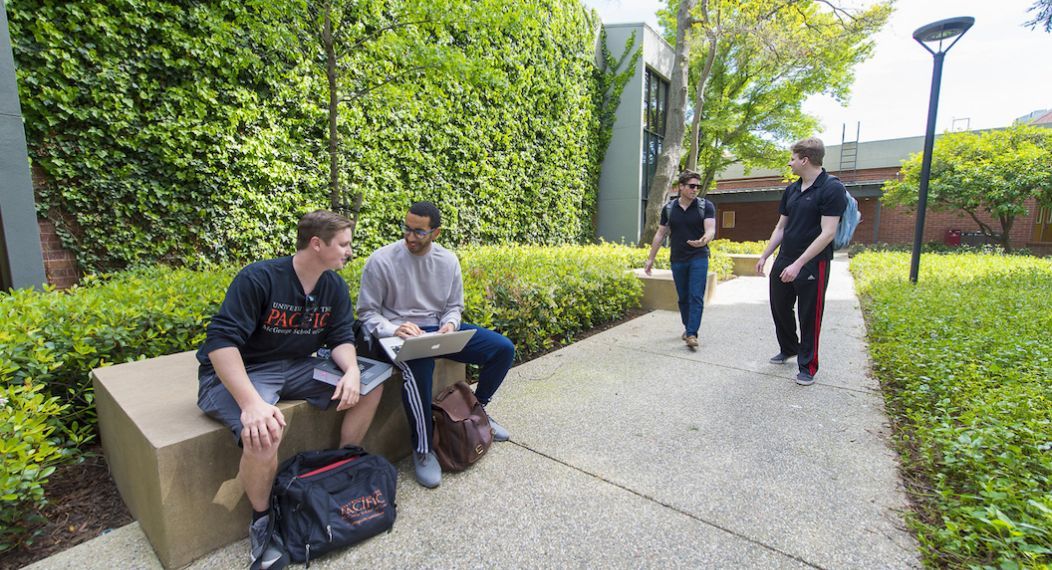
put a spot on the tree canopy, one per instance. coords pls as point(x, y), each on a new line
point(752, 66)
point(994, 172)
point(764, 59)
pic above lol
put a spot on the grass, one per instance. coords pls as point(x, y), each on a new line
point(965, 361)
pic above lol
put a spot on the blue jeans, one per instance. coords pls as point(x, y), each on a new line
point(490, 349)
point(690, 277)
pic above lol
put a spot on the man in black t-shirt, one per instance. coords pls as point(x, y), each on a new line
point(809, 213)
point(258, 349)
point(690, 223)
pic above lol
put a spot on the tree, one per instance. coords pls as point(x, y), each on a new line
point(752, 73)
point(363, 46)
point(757, 73)
point(668, 162)
point(994, 172)
point(1042, 15)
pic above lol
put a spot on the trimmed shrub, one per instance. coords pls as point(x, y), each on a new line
point(30, 452)
point(964, 359)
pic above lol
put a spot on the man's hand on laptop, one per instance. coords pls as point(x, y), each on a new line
point(447, 328)
point(406, 330)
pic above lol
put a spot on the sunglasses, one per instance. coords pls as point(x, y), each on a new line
point(418, 233)
point(310, 309)
point(693, 186)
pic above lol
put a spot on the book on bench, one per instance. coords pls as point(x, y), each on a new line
point(373, 373)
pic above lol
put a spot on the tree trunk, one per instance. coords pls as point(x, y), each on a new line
point(699, 106)
point(334, 101)
point(668, 162)
point(1006, 230)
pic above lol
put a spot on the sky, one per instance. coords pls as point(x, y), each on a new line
point(999, 70)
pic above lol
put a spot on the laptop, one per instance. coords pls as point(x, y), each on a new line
point(427, 345)
point(372, 372)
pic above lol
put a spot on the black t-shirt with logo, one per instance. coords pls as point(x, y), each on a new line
point(267, 316)
point(804, 210)
point(686, 225)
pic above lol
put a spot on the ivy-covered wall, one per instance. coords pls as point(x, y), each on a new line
point(180, 131)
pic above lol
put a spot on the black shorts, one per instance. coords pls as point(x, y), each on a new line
point(291, 379)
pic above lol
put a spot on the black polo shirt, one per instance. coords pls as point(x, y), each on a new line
point(826, 197)
point(686, 225)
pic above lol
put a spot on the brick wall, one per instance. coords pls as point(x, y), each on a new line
point(60, 266)
point(755, 220)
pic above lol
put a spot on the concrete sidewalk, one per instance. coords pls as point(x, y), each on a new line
point(629, 450)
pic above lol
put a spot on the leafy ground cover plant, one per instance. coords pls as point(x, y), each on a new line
point(965, 361)
point(31, 448)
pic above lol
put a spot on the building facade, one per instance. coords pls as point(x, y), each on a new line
point(747, 204)
point(638, 136)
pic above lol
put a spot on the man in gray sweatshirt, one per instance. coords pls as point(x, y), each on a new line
point(413, 286)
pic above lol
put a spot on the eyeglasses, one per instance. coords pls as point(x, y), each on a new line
point(693, 186)
point(310, 309)
point(421, 234)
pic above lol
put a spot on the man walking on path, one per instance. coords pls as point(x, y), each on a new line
point(809, 212)
point(258, 349)
point(414, 286)
point(691, 222)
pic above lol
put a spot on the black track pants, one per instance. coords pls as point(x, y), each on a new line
point(809, 291)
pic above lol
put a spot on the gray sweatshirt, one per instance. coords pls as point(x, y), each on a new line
point(399, 287)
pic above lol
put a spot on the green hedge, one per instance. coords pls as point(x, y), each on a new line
point(190, 132)
point(964, 357)
point(30, 450)
point(539, 297)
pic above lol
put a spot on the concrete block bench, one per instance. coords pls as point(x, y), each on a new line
point(745, 263)
point(177, 468)
point(659, 291)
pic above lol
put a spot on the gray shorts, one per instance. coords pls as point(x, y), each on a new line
point(291, 379)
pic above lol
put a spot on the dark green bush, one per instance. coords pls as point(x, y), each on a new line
point(179, 132)
point(965, 361)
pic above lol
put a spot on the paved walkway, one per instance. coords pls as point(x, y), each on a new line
point(628, 450)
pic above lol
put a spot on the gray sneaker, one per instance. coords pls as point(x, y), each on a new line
point(804, 379)
point(780, 358)
point(265, 554)
point(499, 433)
point(428, 471)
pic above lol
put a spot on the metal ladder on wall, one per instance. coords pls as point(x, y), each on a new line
point(848, 150)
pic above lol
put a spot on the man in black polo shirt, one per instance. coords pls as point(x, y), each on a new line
point(810, 211)
point(691, 222)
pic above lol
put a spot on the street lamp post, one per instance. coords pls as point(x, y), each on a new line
point(935, 33)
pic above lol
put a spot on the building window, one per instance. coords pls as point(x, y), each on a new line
point(655, 114)
point(728, 220)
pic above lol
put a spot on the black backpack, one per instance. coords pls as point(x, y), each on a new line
point(327, 500)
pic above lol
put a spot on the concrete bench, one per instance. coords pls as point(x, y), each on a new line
point(745, 263)
point(659, 291)
point(177, 468)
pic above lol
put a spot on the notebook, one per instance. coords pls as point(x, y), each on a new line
point(427, 345)
point(373, 372)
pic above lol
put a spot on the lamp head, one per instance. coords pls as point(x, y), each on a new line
point(943, 30)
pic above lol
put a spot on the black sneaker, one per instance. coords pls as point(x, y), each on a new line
point(804, 379)
point(780, 358)
point(266, 554)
